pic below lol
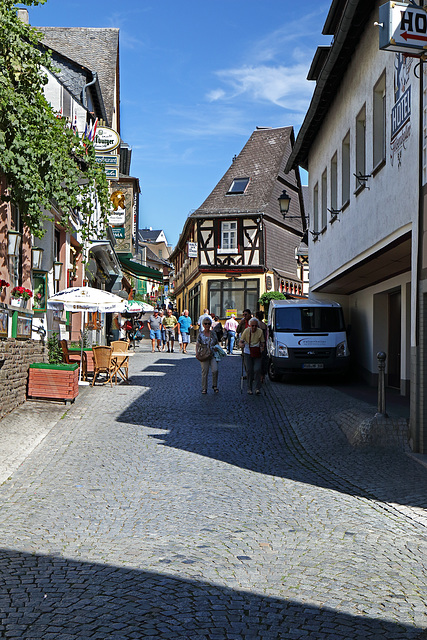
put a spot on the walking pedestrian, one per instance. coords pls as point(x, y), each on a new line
point(231, 328)
point(184, 326)
point(154, 324)
point(264, 357)
point(162, 329)
point(200, 320)
point(253, 343)
point(169, 323)
point(206, 341)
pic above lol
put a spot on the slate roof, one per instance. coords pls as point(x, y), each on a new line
point(149, 235)
point(96, 49)
point(261, 160)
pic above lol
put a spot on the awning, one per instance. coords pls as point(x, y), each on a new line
point(139, 270)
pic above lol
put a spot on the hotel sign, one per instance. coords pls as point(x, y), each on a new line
point(403, 28)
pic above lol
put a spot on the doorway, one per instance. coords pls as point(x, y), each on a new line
point(394, 338)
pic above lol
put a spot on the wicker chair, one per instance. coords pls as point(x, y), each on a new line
point(121, 364)
point(70, 357)
point(103, 363)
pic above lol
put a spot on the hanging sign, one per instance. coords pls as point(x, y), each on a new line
point(403, 28)
point(106, 140)
point(192, 249)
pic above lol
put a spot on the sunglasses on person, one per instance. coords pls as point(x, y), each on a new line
point(207, 324)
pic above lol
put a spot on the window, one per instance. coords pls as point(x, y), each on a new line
point(360, 145)
point(194, 303)
point(345, 169)
point(232, 294)
point(238, 186)
point(334, 183)
point(316, 208)
point(228, 236)
point(160, 253)
point(15, 262)
point(379, 122)
point(324, 200)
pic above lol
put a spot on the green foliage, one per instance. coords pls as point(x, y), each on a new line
point(270, 295)
point(54, 349)
point(40, 156)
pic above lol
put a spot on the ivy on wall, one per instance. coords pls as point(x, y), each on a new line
point(41, 157)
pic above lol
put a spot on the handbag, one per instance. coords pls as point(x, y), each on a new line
point(255, 352)
point(203, 353)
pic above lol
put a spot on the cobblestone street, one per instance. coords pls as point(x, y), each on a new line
point(151, 511)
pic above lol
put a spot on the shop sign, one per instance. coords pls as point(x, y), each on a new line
point(230, 312)
point(111, 161)
point(192, 249)
point(118, 232)
point(117, 218)
point(402, 27)
point(106, 140)
point(112, 173)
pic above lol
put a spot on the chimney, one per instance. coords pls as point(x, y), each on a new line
point(23, 15)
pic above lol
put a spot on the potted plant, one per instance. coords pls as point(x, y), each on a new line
point(19, 296)
point(54, 380)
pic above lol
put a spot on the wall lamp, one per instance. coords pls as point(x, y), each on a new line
point(57, 271)
point(13, 243)
point(36, 257)
point(284, 203)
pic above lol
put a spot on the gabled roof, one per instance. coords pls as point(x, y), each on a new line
point(261, 160)
point(149, 235)
point(96, 49)
point(346, 21)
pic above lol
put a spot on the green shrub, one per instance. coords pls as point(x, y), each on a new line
point(54, 349)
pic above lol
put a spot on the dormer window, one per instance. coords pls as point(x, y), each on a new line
point(238, 186)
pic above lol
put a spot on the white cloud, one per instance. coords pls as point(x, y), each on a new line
point(286, 87)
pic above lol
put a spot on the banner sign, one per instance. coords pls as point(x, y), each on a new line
point(106, 139)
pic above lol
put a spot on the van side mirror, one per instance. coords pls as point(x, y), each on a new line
point(270, 330)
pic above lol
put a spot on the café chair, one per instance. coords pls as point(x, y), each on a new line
point(103, 363)
point(70, 357)
point(121, 362)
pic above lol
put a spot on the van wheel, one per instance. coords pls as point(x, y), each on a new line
point(272, 373)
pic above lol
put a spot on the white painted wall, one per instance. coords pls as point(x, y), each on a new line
point(391, 202)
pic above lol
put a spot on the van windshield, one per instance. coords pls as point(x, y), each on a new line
point(309, 319)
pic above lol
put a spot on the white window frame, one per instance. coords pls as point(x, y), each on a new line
point(229, 242)
point(379, 122)
point(345, 170)
point(360, 146)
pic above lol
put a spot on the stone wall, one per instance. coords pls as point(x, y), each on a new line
point(15, 359)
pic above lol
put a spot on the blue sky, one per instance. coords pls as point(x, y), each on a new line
point(196, 79)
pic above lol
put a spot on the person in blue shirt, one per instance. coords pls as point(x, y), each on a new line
point(184, 326)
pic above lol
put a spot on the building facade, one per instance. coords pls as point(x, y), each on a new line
point(360, 142)
point(237, 245)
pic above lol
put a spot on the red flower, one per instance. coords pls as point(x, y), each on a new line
point(3, 283)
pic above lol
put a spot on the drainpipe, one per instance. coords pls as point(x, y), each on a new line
point(89, 84)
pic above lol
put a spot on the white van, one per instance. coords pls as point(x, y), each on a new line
point(306, 336)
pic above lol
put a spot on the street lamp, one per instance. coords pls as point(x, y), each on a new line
point(57, 271)
point(13, 243)
point(36, 257)
point(284, 202)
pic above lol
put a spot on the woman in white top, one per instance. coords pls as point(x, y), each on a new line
point(253, 343)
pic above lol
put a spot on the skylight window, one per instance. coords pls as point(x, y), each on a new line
point(238, 186)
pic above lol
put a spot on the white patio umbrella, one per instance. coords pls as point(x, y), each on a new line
point(137, 306)
point(85, 299)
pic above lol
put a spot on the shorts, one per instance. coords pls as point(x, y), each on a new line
point(155, 334)
point(185, 337)
point(170, 335)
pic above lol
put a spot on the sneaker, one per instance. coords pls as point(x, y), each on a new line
point(257, 392)
point(250, 393)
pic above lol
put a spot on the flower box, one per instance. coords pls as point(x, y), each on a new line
point(53, 381)
point(18, 302)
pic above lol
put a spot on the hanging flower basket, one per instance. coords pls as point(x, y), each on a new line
point(19, 296)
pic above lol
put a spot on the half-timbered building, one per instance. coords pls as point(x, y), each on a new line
point(237, 245)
